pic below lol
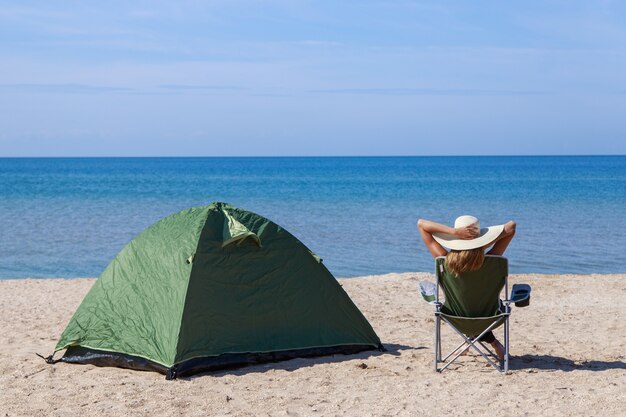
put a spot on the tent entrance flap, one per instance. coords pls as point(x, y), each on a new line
point(235, 232)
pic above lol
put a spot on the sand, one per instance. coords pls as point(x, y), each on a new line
point(567, 360)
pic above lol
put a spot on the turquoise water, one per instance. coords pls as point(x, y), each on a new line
point(68, 217)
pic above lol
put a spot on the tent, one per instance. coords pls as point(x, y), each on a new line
point(213, 287)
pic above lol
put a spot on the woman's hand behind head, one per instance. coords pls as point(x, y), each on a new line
point(467, 232)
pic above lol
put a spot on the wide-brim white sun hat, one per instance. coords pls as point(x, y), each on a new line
point(487, 235)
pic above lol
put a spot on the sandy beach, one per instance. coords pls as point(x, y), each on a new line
point(568, 359)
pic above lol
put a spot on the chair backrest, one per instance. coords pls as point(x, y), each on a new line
point(475, 293)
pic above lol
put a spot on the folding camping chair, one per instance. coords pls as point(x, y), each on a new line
point(472, 307)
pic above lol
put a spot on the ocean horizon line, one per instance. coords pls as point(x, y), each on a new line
point(314, 156)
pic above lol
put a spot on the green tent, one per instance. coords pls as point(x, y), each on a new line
point(213, 287)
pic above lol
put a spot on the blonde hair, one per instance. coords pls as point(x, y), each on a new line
point(461, 261)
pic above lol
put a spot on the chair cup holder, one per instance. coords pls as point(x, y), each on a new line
point(520, 295)
point(523, 303)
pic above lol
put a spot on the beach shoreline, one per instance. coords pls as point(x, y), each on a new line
point(567, 359)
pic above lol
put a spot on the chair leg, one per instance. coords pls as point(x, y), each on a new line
point(487, 349)
point(472, 343)
point(506, 344)
point(437, 342)
point(464, 345)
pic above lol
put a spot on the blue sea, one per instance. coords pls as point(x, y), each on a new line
point(68, 217)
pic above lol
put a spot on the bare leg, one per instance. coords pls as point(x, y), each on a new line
point(498, 348)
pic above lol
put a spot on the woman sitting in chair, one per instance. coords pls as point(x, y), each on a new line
point(467, 243)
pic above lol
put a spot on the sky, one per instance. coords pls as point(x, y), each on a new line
point(292, 77)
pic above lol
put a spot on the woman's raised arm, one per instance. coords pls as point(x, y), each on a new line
point(427, 228)
point(502, 242)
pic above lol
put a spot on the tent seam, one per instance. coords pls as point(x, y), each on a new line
point(182, 313)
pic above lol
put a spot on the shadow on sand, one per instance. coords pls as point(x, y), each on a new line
point(557, 363)
point(293, 364)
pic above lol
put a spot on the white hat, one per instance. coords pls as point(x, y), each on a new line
point(487, 235)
